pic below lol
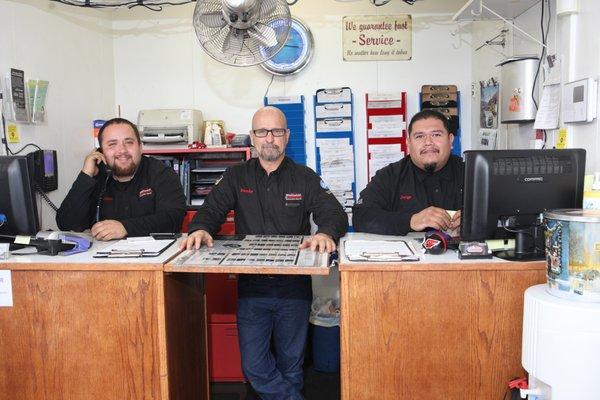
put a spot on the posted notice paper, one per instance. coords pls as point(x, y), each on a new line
point(6, 297)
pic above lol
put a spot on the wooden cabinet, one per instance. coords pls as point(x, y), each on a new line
point(85, 328)
point(432, 331)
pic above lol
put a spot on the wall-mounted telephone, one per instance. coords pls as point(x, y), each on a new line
point(45, 169)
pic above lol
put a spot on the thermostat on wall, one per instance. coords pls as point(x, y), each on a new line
point(579, 100)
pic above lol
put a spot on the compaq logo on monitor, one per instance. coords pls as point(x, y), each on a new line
point(533, 179)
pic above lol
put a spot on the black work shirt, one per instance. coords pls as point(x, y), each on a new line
point(279, 203)
point(152, 201)
point(400, 190)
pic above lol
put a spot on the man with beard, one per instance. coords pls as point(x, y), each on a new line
point(414, 193)
point(134, 197)
point(272, 195)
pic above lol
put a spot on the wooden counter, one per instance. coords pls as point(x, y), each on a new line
point(440, 328)
point(85, 328)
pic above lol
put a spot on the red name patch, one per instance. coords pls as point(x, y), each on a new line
point(107, 199)
point(406, 197)
point(246, 191)
point(293, 196)
point(145, 192)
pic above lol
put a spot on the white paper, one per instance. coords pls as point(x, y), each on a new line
point(334, 125)
point(334, 110)
point(284, 100)
point(6, 297)
point(553, 73)
point(549, 109)
point(385, 96)
point(336, 143)
point(384, 133)
point(379, 250)
point(384, 100)
point(334, 95)
point(144, 245)
point(397, 119)
point(385, 149)
point(487, 139)
point(384, 104)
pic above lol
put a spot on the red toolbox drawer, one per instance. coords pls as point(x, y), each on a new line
point(224, 354)
point(221, 297)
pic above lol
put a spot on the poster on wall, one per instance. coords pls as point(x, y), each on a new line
point(488, 114)
point(377, 38)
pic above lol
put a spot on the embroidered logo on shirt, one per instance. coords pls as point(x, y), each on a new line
point(406, 197)
point(293, 197)
point(246, 191)
point(145, 192)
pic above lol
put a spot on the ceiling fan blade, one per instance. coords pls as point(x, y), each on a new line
point(264, 34)
point(233, 42)
point(213, 19)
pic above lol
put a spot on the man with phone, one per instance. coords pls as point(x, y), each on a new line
point(272, 195)
point(121, 193)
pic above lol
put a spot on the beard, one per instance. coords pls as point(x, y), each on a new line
point(430, 167)
point(269, 152)
point(122, 172)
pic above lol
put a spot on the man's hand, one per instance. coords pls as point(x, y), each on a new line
point(455, 221)
point(319, 242)
point(90, 164)
point(196, 239)
point(108, 229)
point(431, 217)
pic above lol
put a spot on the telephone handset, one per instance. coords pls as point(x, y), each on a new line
point(102, 166)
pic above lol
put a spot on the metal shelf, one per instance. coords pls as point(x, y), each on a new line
point(478, 10)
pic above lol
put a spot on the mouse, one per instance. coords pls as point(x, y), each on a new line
point(435, 242)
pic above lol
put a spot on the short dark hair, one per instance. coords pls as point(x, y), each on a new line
point(430, 114)
point(118, 121)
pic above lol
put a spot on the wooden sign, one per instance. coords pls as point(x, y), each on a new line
point(375, 37)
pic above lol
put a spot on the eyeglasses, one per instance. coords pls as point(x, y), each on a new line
point(263, 132)
point(434, 136)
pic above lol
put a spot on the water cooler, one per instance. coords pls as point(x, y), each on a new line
point(561, 347)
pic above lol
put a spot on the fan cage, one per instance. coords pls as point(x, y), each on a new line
point(237, 47)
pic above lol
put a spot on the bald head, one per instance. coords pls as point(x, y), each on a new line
point(269, 117)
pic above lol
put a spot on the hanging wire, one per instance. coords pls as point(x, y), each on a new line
point(152, 5)
point(268, 87)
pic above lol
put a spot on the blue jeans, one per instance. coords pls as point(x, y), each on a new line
point(274, 376)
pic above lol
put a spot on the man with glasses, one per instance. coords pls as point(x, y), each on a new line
point(415, 193)
point(274, 196)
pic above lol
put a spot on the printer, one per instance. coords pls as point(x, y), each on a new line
point(175, 126)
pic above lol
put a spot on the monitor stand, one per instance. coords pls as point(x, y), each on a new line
point(529, 245)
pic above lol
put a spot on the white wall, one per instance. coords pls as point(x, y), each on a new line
point(578, 43)
point(575, 40)
point(158, 63)
point(71, 48)
point(136, 59)
point(484, 66)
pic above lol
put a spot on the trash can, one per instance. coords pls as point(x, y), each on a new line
point(325, 317)
point(326, 348)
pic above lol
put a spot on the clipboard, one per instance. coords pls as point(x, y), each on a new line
point(380, 250)
point(145, 246)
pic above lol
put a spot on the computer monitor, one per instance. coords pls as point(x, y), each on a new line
point(505, 191)
point(17, 197)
